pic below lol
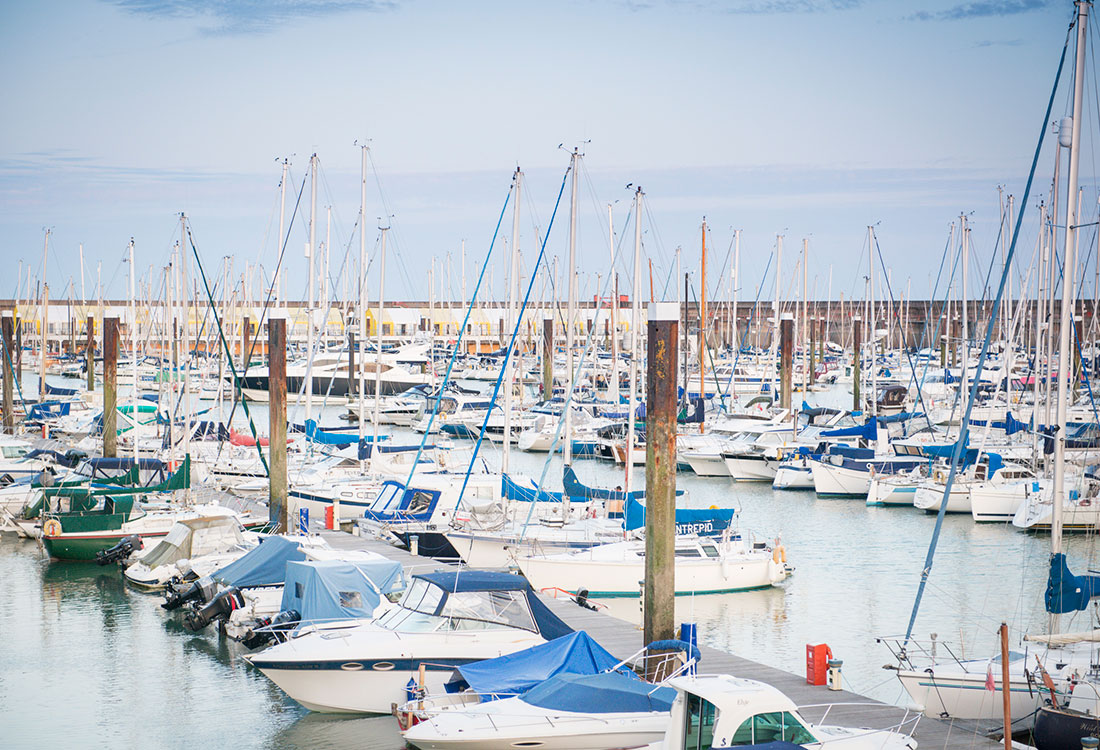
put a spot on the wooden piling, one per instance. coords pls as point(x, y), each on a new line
point(89, 351)
point(6, 324)
point(857, 335)
point(110, 388)
point(786, 358)
point(660, 472)
point(277, 493)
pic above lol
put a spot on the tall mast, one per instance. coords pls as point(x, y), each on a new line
point(736, 284)
point(776, 304)
point(310, 283)
point(635, 318)
point(185, 304)
point(871, 322)
point(567, 449)
point(613, 384)
point(964, 230)
point(804, 334)
point(1069, 270)
point(280, 297)
point(510, 365)
point(378, 339)
point(703, 321)
point(362, 291)
point(133, 348)
point(45, 321)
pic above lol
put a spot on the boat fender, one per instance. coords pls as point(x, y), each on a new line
point(51, 528)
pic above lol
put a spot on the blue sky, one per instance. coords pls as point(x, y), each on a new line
point(810, 118)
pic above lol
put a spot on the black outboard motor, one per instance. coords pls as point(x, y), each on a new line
point(126, 546)
point(280, 623)
point(200, 592)
point(219, 608)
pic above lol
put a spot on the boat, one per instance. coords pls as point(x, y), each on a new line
point(444, 620)
point(192, 548)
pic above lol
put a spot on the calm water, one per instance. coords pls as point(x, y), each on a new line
point(86, 657)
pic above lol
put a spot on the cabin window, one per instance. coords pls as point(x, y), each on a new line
point(351, 600)
point(700, 717)
point(422, 597)
point(777, 726)
point(688, 553)
point(14, 451)
point(710, 551)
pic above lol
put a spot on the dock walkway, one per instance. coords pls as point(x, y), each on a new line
point(844, 708)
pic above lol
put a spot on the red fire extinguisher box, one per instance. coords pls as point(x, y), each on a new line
point(817, 657)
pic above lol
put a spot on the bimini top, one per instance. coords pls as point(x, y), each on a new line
point(518, 672)
point(457, 581)
point(604, 693)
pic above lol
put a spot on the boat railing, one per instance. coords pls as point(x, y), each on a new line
point(916, 654)
point(906, 725)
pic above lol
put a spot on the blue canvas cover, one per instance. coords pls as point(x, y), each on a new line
point(263, 566)
point(867, 431)
point(701, 521)
point(54, 390)
point(550, 625)
point(48, 410)
point(516, 673)
point(339, 589)
point(1067, 592)
point(512, 490)
point(604, 693)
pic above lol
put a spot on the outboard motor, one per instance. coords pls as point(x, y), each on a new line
point(219, 608)
point(280, 623)
point(200, 592)
point(126, 546)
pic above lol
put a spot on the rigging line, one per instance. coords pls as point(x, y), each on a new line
point(748, 328)
point(710, 353)
point(461, 334)
point(228, 354)
point(965, 429)
point(512, 348)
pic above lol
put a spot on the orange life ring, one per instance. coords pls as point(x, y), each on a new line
point(51, 528)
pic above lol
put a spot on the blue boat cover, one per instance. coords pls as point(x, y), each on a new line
point(339, 589)
point(517, 673)
point(263, 566)
point(903, 416)
point(48, 410)
point(53, 390)
point(867, 431)
point(529, 494)
point(701, 521)
point(1067, 592)
point(550, 625)
point(575, 489)
point(604, 693)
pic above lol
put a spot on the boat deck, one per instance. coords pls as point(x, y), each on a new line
point(844, 708)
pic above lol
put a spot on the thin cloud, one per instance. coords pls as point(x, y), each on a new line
point(981, 9)
point(750, 7)
point(233, 17)
point(999, 43)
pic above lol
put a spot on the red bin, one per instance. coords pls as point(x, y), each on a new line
point(817, 658)
point(330, 517)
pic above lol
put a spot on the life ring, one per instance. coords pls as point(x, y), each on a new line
point(51, 528)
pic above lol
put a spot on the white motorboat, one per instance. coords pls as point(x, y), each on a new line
point(444, 620)
point(193, 548)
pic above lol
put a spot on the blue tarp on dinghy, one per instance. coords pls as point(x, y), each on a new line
point(516, 673)
point(263, 566)
point(604, 693)
point(339, 589)
point(701, 521)
point(1067, 592)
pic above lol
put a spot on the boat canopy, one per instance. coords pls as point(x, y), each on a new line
point(701, 521)
point(530, 492)
point(395, 502)
point(1065, 591)
point(867, 431)
point(339, 589)
point(191, 537)
point(604, 693)
point(263, 566)
point(516, 673)
point(487, 607)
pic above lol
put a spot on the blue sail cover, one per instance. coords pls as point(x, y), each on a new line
point(550, 625)
point(516, 673)
point(604, 693)
point(512, 490)
point(48, 410)
point(1067, 592)
point(867, 431)
point(263, 566)
point(339, 589)
point(575, 489)
point(53, 390)
point(701, 521)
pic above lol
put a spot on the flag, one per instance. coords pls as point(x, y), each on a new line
point(989, 678)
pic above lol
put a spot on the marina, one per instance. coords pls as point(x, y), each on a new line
point(381, 444)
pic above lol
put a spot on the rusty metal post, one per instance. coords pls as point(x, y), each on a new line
point(660, 472)
point(277, 494)
point(110, 387)
point(547, 358)
point(786, 358)
point(89, 351)
point(6, 323)
point(856, 342)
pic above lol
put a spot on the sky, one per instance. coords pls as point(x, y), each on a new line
point(810, 119)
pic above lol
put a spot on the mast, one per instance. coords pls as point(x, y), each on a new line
point(635, 317)
point(185, 303)
point(776, 304)
point(736, 284)
point(378, 338)
point(613, 384)
point(133, 348)
point(871, 321)
point(567, 449)
point(44, 342)
point(509, 363)
point(964, 301)
point(362, 292)
point(280, 297)
point(702, 320)
point(1069, 253)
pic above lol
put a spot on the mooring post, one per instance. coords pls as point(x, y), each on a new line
point(856, 336)
point(6, 323)
point(89, 351)
point(547, 358)
point(660, 471)
point(110, 388)
point(276, 464)
point(786, 358)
